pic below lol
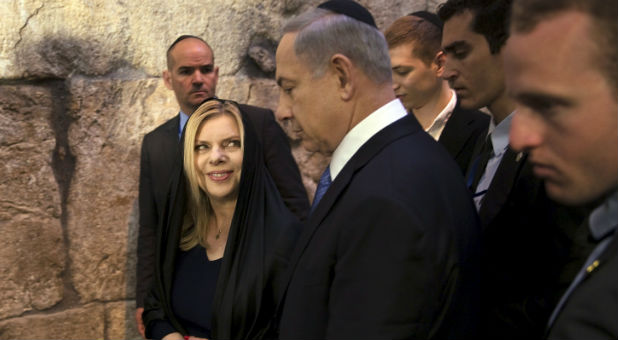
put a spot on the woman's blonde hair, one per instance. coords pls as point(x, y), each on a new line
point(199, 210)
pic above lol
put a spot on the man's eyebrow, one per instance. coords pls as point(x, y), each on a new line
point(454, 45)
point(536, 99)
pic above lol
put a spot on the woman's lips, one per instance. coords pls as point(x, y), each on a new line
point(219, 176)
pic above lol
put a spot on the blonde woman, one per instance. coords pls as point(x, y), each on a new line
point(226, 237)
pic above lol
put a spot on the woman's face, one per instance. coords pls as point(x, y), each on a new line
point(218, 157)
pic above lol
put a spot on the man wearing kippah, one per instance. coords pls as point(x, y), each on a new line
point(390, 249)
point(418, 62)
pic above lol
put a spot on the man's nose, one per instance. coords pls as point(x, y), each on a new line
point(526, 132)
point(198, 77)
point(283, 111)
point(395, 84)
point(449, 72)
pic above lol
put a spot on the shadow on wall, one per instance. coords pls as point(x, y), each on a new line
point(51, 62)
point(133, 225)
point(60, 57)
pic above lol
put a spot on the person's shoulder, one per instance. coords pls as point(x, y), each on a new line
point(254, 110)
point(471, 114)
point(170, 124)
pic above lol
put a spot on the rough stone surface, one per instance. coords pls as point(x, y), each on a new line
point(79, 87)
point(119, 317)
point(85, 322)
point(32, 255)
point(264, 57)
point(110, 119)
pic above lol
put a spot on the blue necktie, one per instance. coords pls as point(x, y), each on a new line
point(323, 185)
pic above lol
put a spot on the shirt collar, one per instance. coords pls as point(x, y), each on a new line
point(436, 127)
point(500, 134)
point(183, 121)
point(362, 132)
point(604, 219)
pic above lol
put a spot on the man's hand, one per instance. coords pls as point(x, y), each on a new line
point(140, 323)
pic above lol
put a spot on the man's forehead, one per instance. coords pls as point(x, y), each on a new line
point(191, 47)
point(458, 25)
point(286, 57)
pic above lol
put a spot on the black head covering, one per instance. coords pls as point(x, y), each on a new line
point(431, 17)
point(351, 9)
point(261, 238)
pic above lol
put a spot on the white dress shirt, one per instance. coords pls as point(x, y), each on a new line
point(363, 131)
point(438, 124)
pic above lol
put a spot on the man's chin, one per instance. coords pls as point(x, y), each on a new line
point(568, 195)
point(310, 145)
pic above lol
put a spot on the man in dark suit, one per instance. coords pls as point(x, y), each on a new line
point(567, 119)
point(192, 75)
point(390, 251)
point(417, 62)
point(530, 243)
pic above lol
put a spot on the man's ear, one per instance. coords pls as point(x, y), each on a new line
point(342, 68)
point(216, 71)
point(438, 63)
point(167, 79)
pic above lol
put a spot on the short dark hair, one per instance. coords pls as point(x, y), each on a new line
point(168, 54)
point(528, 13)
point(412, 29)
point(491, 18)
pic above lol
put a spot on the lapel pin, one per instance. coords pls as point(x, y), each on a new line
point(519, 156)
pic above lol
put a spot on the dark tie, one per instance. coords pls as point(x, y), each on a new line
point(478, 168)
point(323, 185)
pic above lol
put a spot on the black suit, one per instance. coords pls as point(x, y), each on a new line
point(530, 251)
point(461, 132)
point(390, 251)
point(159, 149)
point(591, 311)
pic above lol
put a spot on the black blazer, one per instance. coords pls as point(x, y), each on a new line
point(159, 150)
point(532, 248)
point(591, 311)
point(461, 132)
point(390, 251)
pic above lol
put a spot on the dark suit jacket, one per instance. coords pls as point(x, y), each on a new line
point(591, 311)
point(159, 149)
point(532, 249)
point(390, 251)
point(461, 132)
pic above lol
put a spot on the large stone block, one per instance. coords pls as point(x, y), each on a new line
point(110, 118)
point(32, 256)
point(87, 322)
point(56, 39)
point(59, 38)
point(120, 321)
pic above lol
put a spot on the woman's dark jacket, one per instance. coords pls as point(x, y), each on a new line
point(261, 238)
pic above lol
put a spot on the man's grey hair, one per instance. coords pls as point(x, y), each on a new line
point(322, 33)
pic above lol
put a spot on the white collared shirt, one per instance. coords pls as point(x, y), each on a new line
point(500, 140)
point(438, 124)
point(363, 131)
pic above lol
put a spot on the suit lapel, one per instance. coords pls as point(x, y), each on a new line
point(401, 128)
point(476, 154)
point(501, 185)
point(456, 132)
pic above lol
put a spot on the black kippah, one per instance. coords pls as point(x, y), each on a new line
point(351, 9)
point(432, 18)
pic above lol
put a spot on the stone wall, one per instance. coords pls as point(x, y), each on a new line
point(79, 87)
